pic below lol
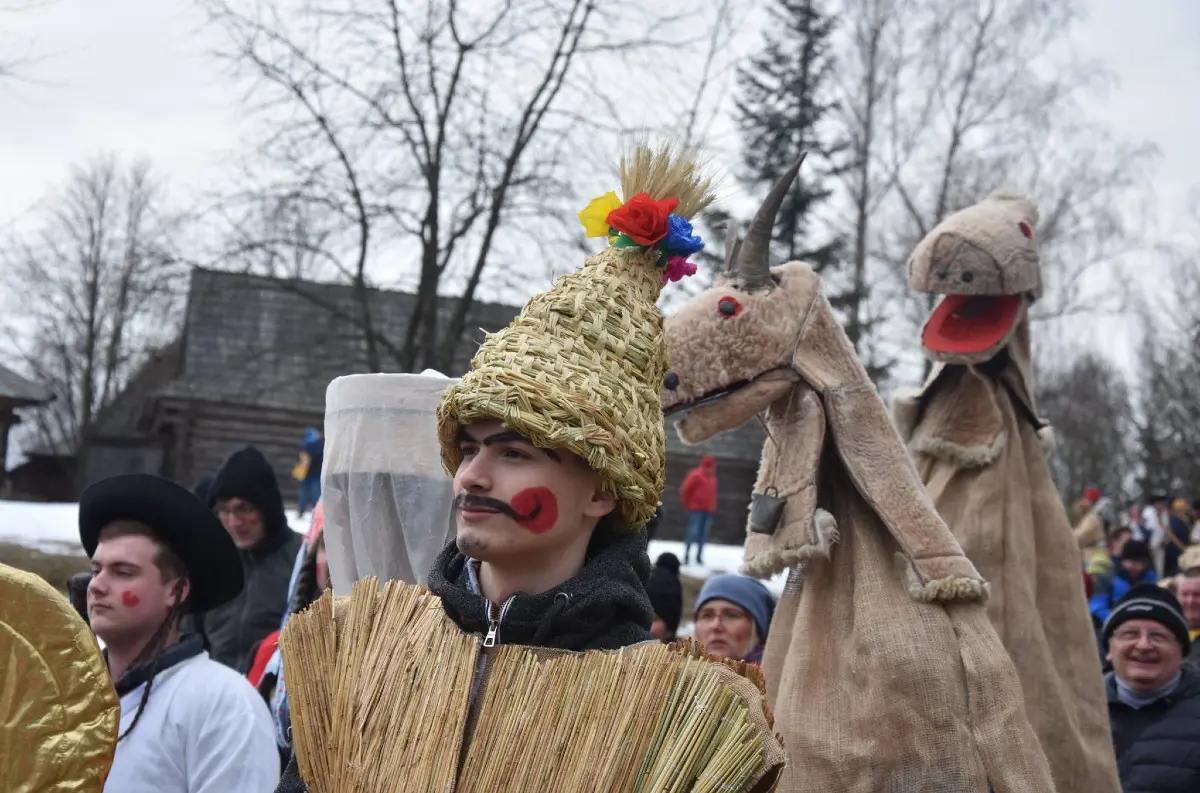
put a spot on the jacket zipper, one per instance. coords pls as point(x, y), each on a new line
point(494, 620)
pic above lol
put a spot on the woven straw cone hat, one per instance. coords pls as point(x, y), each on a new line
point(580, 369)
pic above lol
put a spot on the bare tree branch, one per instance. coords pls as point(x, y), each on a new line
point(412, 137)
point(97, 279)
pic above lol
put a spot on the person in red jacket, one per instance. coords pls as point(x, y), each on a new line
point(699, 496)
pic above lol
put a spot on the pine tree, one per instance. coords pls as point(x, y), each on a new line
point(780, 109)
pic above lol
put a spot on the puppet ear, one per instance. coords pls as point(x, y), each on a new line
point(786, 526)
point(733, 244)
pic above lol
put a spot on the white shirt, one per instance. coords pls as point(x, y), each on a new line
point(1153, 527)
point(204, 730)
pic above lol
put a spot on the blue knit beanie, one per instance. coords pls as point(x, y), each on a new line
point(747, 593)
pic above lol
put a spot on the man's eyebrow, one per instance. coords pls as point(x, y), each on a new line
point(505, 436)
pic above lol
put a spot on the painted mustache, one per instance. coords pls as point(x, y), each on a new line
point(535, 508)
point(471, 501)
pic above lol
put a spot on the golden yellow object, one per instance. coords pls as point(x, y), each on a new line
point(59, 713)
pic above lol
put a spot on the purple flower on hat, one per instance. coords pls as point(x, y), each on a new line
point(678, 267)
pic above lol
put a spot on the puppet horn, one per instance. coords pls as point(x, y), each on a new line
point(753, 266)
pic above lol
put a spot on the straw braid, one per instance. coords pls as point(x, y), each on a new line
point(579, 369)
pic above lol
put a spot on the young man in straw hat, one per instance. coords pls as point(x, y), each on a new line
point(555, 437)
point(188, 724)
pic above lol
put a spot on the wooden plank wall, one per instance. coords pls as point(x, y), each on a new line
point(735, 482)
point(207, 432)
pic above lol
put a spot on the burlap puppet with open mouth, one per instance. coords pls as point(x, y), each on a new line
point(979, 446)
point(388, 694)
point(882, 667)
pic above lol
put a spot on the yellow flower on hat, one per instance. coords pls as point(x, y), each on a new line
point(594, 216)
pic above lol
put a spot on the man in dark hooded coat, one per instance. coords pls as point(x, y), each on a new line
point(245, 495)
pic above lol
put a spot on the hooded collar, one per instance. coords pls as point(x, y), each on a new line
point(189, 646)
point(604, 607)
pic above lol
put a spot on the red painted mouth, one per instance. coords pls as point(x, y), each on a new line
point(969, 324)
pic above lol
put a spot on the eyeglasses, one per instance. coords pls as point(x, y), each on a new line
point(242, 510)
point(729, 616)
point(1156, 638)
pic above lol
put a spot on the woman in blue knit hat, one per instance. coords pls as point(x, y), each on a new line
point(733, 614)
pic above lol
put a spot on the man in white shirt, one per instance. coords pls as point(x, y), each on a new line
point(1153, 522)
point(188, 724)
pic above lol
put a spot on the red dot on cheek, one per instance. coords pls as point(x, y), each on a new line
point(130, 599)
point(539, 506)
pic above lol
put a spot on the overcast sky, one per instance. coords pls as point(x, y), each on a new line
point(133, 76)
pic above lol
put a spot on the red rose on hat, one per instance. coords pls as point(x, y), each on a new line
point(643, 219)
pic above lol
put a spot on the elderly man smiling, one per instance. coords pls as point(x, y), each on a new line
point(1153, 697)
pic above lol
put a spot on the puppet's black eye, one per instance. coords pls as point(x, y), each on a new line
point(671, 381)
point(729, 307)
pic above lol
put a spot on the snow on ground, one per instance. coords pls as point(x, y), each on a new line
point(54, 528)
point(717, 559)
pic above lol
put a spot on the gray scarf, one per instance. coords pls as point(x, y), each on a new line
point(1140, 699)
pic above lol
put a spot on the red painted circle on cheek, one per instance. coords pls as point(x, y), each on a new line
point(538, 508)
point(130, 599)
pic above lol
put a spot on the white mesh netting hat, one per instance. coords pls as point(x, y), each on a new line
point(386, 498)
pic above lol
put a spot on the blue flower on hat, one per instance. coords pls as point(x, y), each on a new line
point(681, 241)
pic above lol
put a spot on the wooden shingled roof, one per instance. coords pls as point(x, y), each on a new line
point(254, 340)
point(19, 391)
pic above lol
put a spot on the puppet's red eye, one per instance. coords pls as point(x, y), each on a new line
point(1026, 229)
point(728, 307)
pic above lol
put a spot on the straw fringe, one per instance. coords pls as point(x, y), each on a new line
point(667, 171)
point(380, 703)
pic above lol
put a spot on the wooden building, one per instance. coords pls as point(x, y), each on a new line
point(16, 392)
point(253, 362)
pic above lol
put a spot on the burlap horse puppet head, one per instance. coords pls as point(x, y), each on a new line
point(984, 261)
point(883, 669)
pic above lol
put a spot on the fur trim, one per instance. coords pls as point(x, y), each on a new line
point(944, 590)
point(979, 456)
point(1048, 438)
point(906, 408)
point(825, 531)
point(825, 536)
point(767, 565)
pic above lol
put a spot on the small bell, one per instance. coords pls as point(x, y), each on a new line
point(766, 511)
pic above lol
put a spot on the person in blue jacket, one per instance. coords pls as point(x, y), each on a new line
point(1136, 567)
point(313, 450)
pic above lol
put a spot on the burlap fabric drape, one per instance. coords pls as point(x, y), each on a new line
point(972, 431)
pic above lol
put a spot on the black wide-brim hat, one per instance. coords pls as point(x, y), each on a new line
point(180, 521)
